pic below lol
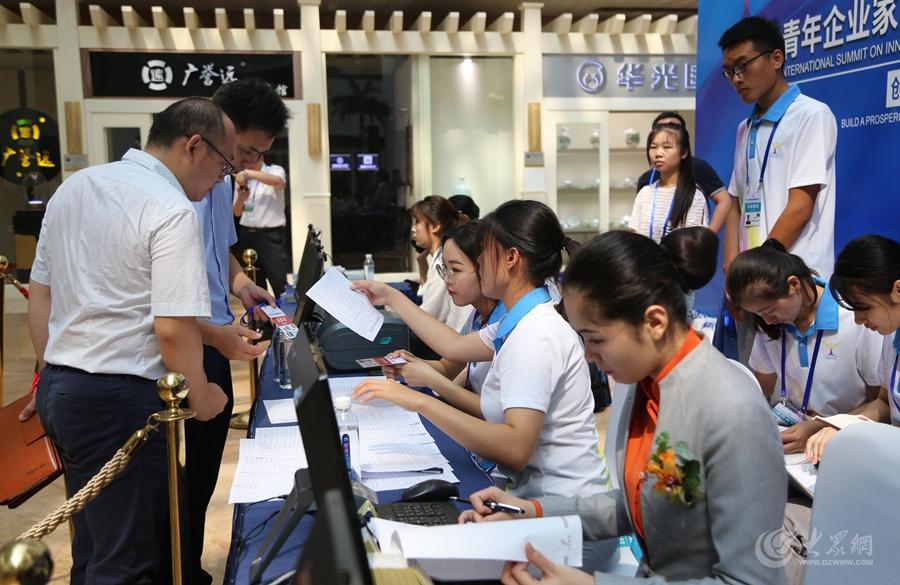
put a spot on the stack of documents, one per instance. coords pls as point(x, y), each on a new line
point(266, 465)
point(465, 552)
point(803, 473)
point(396, 449)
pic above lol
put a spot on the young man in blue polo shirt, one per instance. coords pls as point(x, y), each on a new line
point(259, 114)
point(784, 174)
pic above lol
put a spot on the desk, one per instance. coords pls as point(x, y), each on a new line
point(251, 521)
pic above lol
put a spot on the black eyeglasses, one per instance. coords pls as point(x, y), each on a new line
point(739, 69)
point(227, 167)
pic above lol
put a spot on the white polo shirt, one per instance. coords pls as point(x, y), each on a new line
point(120, 244)
point(849, 358)
point(802, 153)
point(889, 352)
point(541, 366)
point(264, 207)
point(645, 213)
point(436, 300)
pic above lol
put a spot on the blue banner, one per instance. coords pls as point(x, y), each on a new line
point(845, 53)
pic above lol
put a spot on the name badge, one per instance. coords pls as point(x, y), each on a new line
point(753, 210)
point(248, 208)
point(787, 415)
point(281, 321)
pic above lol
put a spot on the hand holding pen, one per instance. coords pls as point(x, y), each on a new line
point(493, 504)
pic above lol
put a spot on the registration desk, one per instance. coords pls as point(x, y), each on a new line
point(251, 522)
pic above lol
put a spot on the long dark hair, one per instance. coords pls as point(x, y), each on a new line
point(687, 186)
point(762, 274)
point(621, 273)
point(533, 229)
point(869, 264)
point(437, 210)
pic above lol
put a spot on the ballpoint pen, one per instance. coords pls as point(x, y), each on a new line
point(495, 506)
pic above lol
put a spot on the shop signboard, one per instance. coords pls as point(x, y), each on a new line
point(569, 76)
point(29, 143)
point(183, 74)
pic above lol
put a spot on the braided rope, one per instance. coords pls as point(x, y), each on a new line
point(92, 489)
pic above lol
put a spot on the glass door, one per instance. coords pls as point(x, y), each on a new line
point(113, 134)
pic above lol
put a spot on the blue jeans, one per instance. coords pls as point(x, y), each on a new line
point(123, 535)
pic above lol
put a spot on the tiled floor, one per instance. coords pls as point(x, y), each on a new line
point(19, 361)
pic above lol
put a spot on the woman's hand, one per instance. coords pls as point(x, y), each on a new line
point(815, 446)
point(391, 391)
point(481, 513)
point(378, 293)
point(393, 372)
point(552, 574)
point(794, 439)
point(418, 374)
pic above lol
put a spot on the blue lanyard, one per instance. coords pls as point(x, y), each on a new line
point(809, 378)
point(765, 163)
point(653, 213)
point(538, 296)
point(893, 382)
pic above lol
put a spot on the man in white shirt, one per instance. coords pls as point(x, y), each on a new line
point(259, 203)
point(784, 172)
point(117, 287)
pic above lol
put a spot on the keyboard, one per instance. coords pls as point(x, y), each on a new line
point(420, 513)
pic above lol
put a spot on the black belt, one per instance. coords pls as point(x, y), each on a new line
point(259, 229)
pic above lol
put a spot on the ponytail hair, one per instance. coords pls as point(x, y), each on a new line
point(533, 229)
point(695, 251)
point(687, 186)
point(621, 273)
point(762, 274)
point(437, 210)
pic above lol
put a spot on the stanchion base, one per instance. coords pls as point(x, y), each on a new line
point(240, 420)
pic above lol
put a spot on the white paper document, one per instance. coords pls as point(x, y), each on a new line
point(280, 438)
point(264, 472)
point(462, 552)
point(281, 411)
point(803, 473)
point(352, 308)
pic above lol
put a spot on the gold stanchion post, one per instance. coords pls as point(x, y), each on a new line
point(241, 420)
point(25, 562)
point(172, 389)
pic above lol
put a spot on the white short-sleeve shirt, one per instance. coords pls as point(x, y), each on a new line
point(802, 153)
point(644, 210)
point(120, 244)
point(889, 352)
point(436, 300)
point(264, 207)
point(848, 362)
point(541, 366)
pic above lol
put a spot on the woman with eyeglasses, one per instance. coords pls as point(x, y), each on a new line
point(432, 217)
point(535, 416)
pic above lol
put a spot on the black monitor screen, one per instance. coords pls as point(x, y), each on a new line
point(312, 266)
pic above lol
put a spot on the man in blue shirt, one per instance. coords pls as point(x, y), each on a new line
point(259, 114)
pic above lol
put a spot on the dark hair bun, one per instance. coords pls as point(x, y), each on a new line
point(695, 251)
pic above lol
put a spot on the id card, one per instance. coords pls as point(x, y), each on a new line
point(787, 415)
point(281, 321)
point(248, 208)
point(752, 212)
point(377, 362)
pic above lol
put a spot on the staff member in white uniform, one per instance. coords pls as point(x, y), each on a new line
point(259, 203)
point(809, 352)
point(866, 279)
point(537, 418)
point(784, 172)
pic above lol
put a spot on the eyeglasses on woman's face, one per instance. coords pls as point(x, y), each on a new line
point(447, 274)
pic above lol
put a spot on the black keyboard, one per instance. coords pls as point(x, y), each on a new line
point(420, 513)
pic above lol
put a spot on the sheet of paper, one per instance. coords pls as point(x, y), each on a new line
point(842, 421)
point(344, 385)
point(352, 308)
point(281, 411)
point(802, 472)
point(279, 438)
point(479, 549)
point(400, 481)
point(264, 472)
point(396, 457)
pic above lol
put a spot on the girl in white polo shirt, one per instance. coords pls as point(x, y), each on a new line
point(809, 356)
point(537, 418)
point(673, 199)
point(867, 280)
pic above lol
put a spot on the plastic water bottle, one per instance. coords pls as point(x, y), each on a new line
point(348, 429)
point(369, 267)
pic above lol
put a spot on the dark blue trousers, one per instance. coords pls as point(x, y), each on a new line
point(123, 535)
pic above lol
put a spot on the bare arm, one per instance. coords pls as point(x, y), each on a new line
point(38, 318)
point(877, 409)
point(244, 288)
point(732, 240)
point(444, 340)
point(276, 181)
point(238, 209)
point(181, 347)
point(230, 340)
point(799, 209)
point(723, 206)
point(767, 382)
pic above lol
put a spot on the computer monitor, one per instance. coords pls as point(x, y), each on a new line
point(312, 266)
point(326, 556)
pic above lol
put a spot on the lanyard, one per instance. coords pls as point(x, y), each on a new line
point(894, 381)
point(252, 196)
point(536, 297)
point(653, 213)
point(765, 162)
point(809, 377)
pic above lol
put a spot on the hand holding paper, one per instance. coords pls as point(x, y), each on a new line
point(350, 307)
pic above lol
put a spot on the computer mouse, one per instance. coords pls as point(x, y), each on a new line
point(430, 490)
